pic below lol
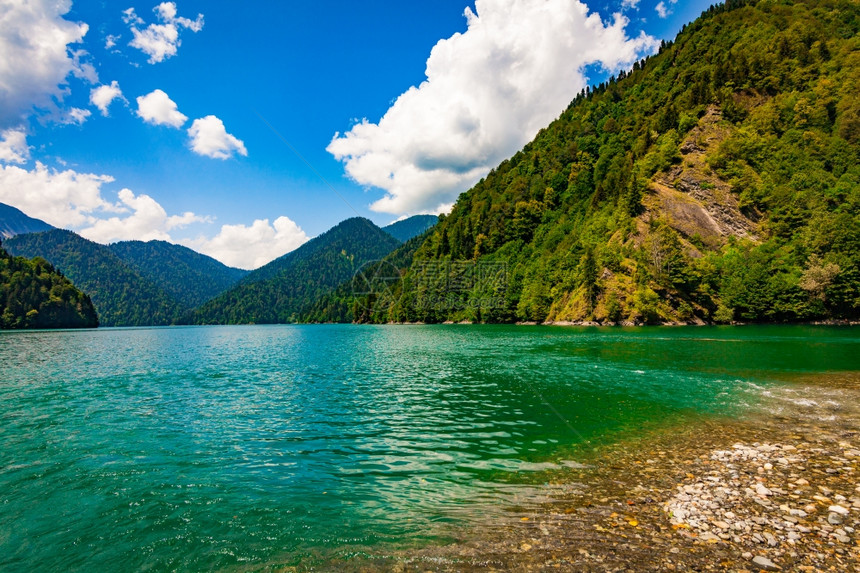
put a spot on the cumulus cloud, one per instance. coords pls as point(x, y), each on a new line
point(209, 137)
point(76, 201)
point(160, 41)
point(103, 96)
point(252, 247)
point(663, 10)
point(13, 146)
point(629, 4)
point(74, 116)
point(144, 219)
point(157, 108)
point(64, 199)
point(488, 91)
point(35, 59)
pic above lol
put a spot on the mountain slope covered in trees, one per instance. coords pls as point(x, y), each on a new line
point(15, 222)
point(187, 276)
point(280, 291)
point(717, 181)
point(373, 289)
point(34, 295)
point(120, 294)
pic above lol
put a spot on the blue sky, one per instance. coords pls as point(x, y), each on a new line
point(181, 120)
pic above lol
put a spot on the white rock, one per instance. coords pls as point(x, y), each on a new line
point(761, 490)
point(837, 509)
point(765, 563)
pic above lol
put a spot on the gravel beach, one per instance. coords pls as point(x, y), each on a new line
point(776, 491)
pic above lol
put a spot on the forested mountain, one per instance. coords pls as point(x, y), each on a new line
point(411, 227)
point(14, 222)
point(187, 276)
point(374, 288)
point(717, 181)
point(121, 295)
point(280, 291)
point(34, 295)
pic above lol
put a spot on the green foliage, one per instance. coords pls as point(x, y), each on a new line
point(186, 276)
point(34, 295)
point(120, 294)
point(566, 212)
point(285, 290)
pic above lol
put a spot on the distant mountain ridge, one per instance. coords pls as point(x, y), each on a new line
point(187, 276)
point(411, 227)
point(121, 295)
point(280, 291)
point(15, 222)
point(131, 283)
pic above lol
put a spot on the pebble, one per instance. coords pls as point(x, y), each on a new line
point(765, 563)
point(837, 509)
point(761, 490)
point(704, 507)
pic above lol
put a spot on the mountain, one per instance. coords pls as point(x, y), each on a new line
point(121, 295)
point(15, 222)
point(368, 294)
point(34, 295)
point(411, 227)
point(279, 291)
point(717, 181)
point(187, 276)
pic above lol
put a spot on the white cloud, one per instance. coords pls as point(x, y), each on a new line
point(64, 199)
point(74, 116)
point(13, 146)
point(71, 200)
point(147, 221)
point(254, 246)
point(103, 96)
point(663, 11)
point(110, 41)
point(76, 201)
point(157, 108)
point(488, 92)
point(131, 18)
point(160, 41)
point(84, 70)
point(629, 4)
point(209, 137)
point(34, 57)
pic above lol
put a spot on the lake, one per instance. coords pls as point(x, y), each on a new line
point(258, 447)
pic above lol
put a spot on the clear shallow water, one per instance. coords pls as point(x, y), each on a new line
point(231, 447)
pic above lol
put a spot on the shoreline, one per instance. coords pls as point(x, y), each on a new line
point(778, 490)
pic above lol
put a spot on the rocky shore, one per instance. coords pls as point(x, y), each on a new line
point(775, 491)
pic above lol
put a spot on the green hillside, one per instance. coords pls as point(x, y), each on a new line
point(34, 295)
point(369, 293)
point(187, 276)
point(280, 291)
point(717, 181)
point(120, 294)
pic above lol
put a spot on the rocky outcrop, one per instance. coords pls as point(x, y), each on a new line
point(692, 199)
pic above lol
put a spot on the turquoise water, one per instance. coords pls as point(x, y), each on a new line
point(240, 447)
